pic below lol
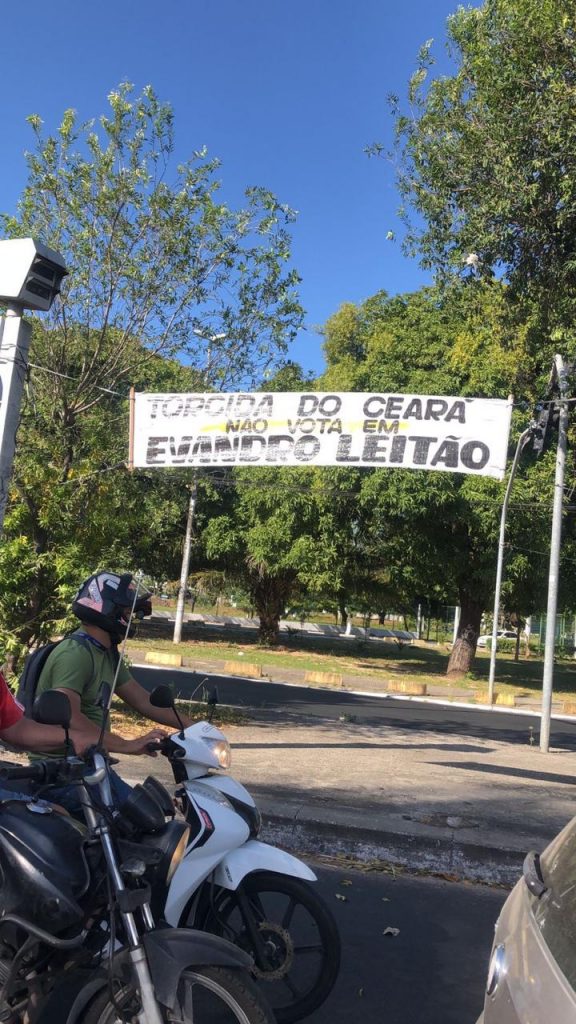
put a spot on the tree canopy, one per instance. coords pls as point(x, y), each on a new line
point(169, 287)
point(487, 155)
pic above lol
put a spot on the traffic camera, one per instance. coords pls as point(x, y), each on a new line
point(31, 274)
point(545, 423)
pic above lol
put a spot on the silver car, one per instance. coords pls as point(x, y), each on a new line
point(532, 974)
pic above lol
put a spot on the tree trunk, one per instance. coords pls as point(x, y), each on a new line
point(464, 649)
point(342, 610)
point(270, 595)
point(269, 628)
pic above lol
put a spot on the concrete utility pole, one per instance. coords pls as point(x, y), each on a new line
point(179, 618)
point(522, 442)
point(555, 540)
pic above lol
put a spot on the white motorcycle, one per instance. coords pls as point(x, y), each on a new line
point(231, 884)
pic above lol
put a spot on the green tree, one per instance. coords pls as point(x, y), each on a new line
point(264, 538)
point(487, 155)
point(436, 534)
point(166, 281)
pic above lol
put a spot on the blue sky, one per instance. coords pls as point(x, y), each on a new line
point(286, 94)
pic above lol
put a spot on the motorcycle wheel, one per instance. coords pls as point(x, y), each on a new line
point(207, 995)
point(301, 939)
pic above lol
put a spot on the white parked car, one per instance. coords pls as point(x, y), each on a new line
point(503, 634)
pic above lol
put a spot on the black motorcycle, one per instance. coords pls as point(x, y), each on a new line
point(79, 942)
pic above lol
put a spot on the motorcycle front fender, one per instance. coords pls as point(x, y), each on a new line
point(257, 856)
point(70, 997)
point(171, 951)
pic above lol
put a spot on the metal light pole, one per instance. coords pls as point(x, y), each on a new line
point(185, 564)
point(179, 617)
point(522, 442)
point(555, 539)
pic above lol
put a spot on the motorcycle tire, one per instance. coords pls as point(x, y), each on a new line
point(295, 902)
point(221, 996)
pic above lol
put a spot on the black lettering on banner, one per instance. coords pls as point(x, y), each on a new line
point(435, 409)
point(447, 453)
point(307, 405)
point(468, 454)
point(370, 426)
point(306, 448)
point(259, 426)
point(169, 410)
point(307, 426)
point(293, 425)
point(192, 405)
point(393, 407)
point(245, 400)
point(153, 407)
point(397, 450)
point(329, 405)
point(343, 450)
point(232, 426)
point(264, 407)
point(225, 448)
point(215, 405)
point(202, 449)
point(155, 454)
point(388, 428)
point(414, 410)
point(374, 406)
point(421, 449)
point(279, 448)
point(251, 447)
point(457, 412)
point(375, 449)
point(335, 427)
point(178, 454)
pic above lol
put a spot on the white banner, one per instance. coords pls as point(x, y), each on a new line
point(456, 435)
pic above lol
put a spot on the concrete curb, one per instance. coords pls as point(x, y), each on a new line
point(466, 855)
point(430, 699)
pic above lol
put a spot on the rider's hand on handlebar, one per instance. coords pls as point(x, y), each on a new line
point(141, 745)
point(81, 740)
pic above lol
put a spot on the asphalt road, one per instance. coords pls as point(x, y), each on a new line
point(412, 715)
point(432, 972)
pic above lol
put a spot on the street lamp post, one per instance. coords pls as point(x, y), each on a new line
point(185, 569)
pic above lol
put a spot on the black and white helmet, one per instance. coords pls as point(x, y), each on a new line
point(105, 600)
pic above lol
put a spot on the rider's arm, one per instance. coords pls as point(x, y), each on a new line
point(138, 698)
point(28, 735)
point(112, 742)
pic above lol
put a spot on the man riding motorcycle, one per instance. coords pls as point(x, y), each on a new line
point(84, 662)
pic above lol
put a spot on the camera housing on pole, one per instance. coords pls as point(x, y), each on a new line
point(31, 277)
point(31, 274)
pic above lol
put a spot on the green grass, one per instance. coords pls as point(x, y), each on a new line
point(376, 662)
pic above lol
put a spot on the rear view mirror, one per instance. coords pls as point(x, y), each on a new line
point(162, 697)
point(52, 708)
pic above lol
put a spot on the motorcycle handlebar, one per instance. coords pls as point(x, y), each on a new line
point(166, 747)
point(33, 772)
point(62, 770)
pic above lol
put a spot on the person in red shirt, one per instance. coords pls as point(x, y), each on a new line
point(24, 734)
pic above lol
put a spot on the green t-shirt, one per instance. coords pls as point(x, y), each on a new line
point(84, 668)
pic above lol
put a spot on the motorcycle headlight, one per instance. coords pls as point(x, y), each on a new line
point(221, 750)
point(171, 844)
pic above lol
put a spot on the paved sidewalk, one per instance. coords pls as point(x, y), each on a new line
point(457, 805)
